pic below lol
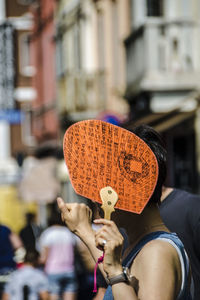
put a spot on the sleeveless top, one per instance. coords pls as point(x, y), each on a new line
point(173, 239)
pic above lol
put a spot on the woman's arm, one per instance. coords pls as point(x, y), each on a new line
point(5, 296)
point(44, 255)
point(78, 219)
point(44, 295)
point(156, 271)
point(112, 263)
point(15, 241)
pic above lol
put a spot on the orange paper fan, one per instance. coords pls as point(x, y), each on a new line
point(99, 154)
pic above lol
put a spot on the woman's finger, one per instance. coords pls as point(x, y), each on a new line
point(103, 221)
point(61, 203)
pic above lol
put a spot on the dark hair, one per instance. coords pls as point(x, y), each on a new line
point(32, 257)
point(153, 139)
point(55, 219)
point(30, 217)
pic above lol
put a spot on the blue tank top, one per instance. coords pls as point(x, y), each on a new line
point(171, 238)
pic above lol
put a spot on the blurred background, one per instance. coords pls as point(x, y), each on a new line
point(123, 61)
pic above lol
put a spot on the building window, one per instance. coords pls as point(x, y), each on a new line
point(154, 8)
point(162, 65)
point(26, 129)
point(25, 67)
point(175, 60)
point(59, 57)
point(162, 50)
point(68, 50)
point(116, 43)
point(101, 41)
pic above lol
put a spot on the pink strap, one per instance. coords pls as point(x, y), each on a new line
point(100, 260)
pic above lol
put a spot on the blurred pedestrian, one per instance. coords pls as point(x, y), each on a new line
point(180, 212)
point(84, 265)
point(57, 253)
point(9, 244)
point(27, 283)
point(30, 232)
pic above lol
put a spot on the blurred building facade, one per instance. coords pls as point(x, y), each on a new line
point(67, 60)
point(16, 92)
point(77, 49)
point(90, 59)
point(16, 86)
point(42, 52)
point(163, 72)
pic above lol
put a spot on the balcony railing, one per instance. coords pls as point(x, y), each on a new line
point(163, 56)
point(81, 91)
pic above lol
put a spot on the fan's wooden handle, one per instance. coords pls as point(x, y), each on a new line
point(109, 198)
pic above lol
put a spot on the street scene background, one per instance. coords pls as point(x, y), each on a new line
point(127, 62)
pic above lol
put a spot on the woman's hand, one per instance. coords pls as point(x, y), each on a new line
point(113, 247)
point(77, 217)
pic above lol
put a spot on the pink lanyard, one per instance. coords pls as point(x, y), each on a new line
point(100, 260)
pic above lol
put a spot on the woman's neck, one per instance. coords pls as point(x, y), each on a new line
point(137, 226)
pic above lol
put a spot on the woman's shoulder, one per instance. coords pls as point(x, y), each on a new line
point(162, 258)
point(157, 248)
point(161, 249)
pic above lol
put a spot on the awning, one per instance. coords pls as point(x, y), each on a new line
point(173, 121)
point(162, 121)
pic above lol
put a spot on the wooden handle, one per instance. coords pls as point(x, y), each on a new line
point(109, 198)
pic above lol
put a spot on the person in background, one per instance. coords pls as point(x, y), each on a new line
point(27, 282)
point(57, 246)
point(180, 212)
point(30, 233)
point(10, 243)
point(84, 265)
point(155, 265)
